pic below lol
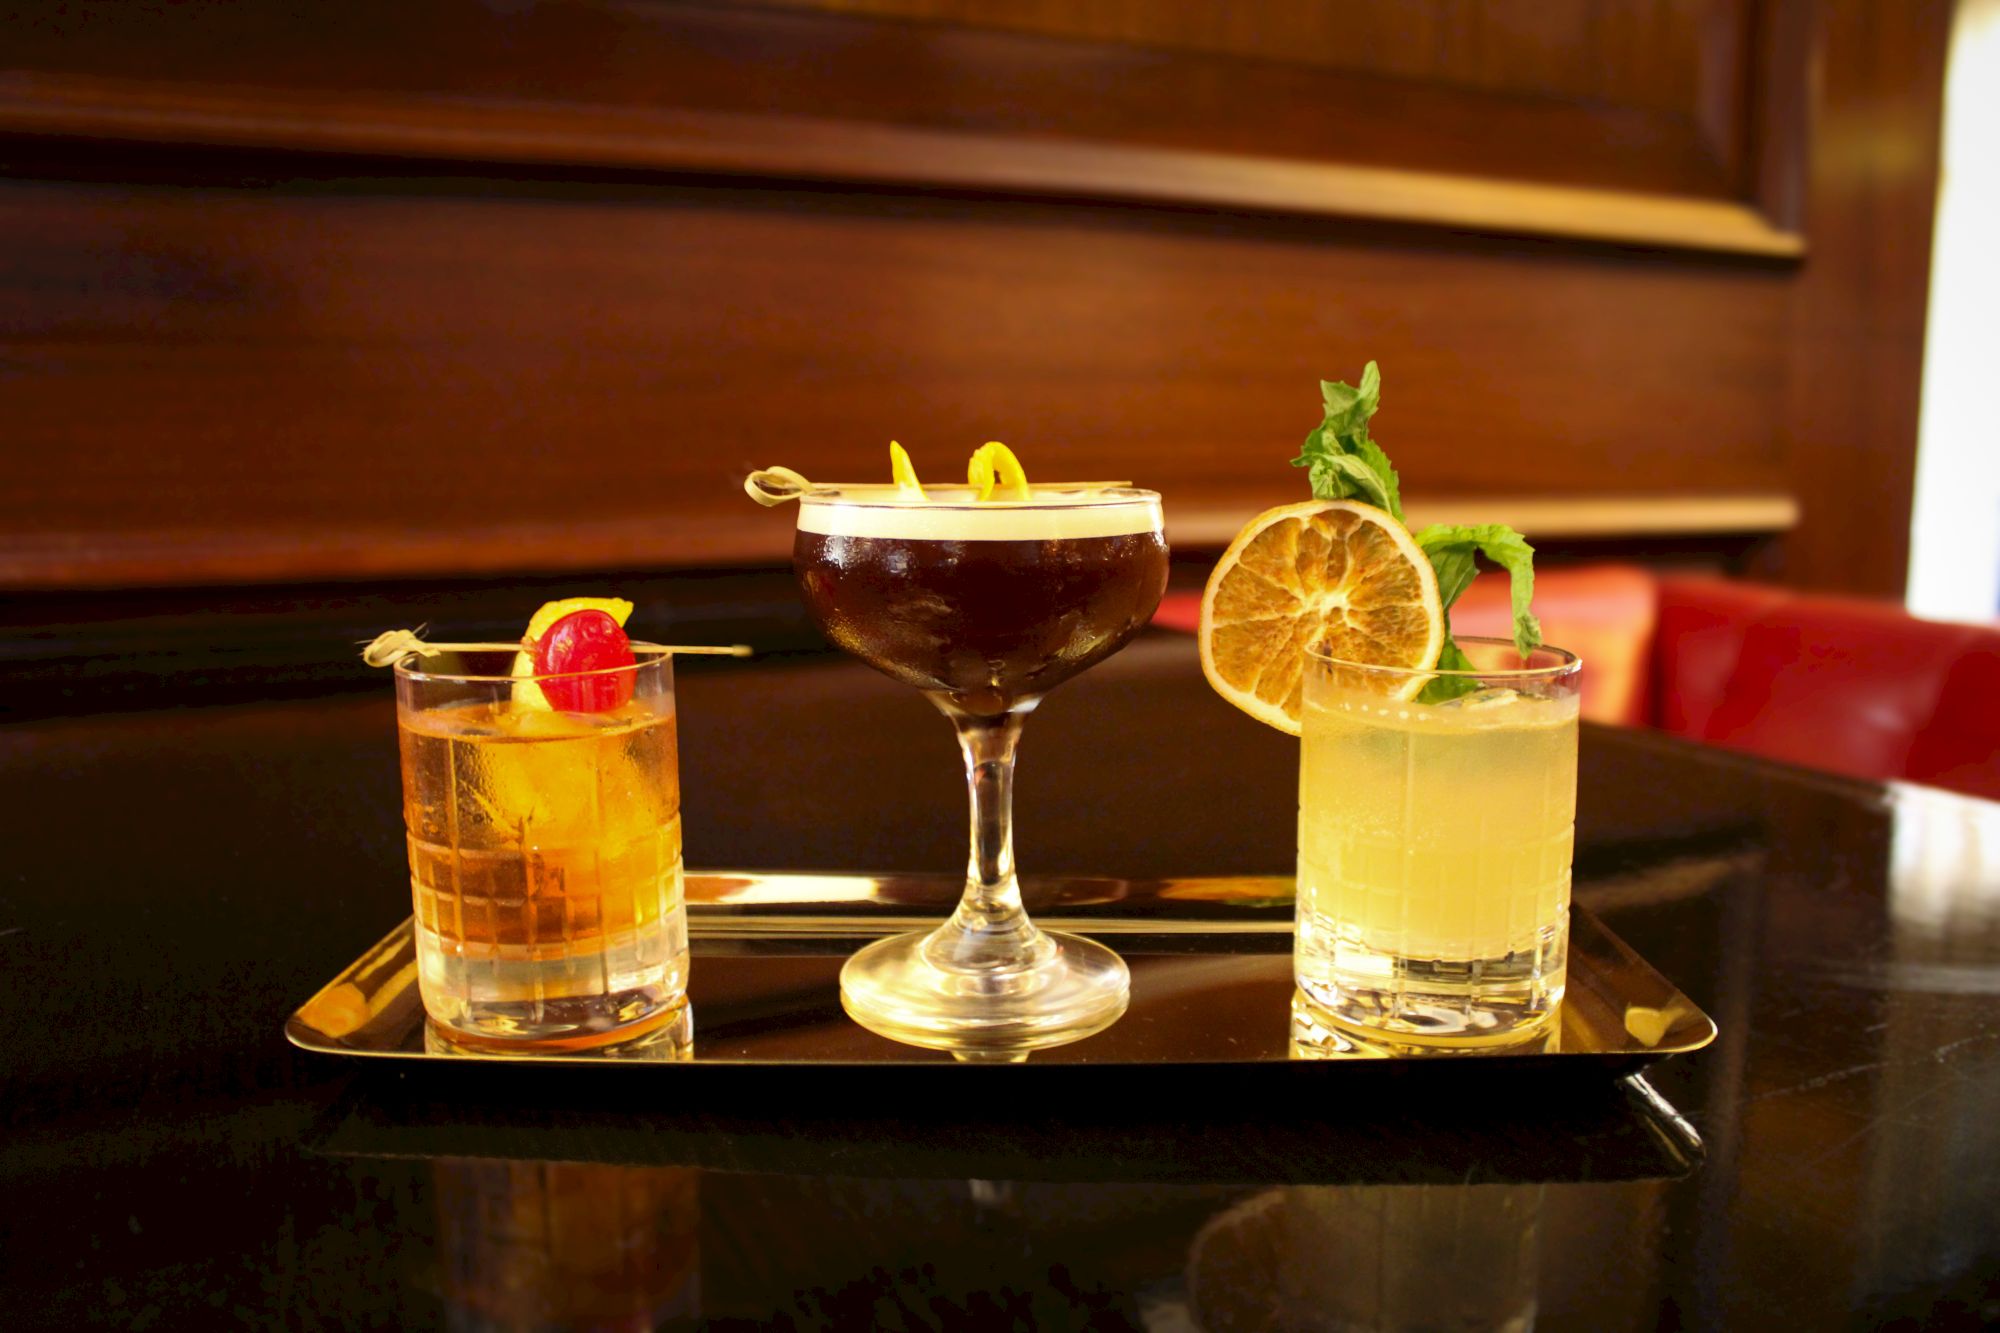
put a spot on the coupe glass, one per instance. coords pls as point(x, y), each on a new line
point(985, 607)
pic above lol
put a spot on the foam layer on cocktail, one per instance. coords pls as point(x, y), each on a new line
point(949, 513)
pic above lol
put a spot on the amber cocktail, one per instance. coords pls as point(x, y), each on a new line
point(545, 849)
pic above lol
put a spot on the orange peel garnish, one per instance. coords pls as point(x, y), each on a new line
point(904, 472)
point(995, 473)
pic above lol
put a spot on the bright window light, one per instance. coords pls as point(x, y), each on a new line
point(1955, 526)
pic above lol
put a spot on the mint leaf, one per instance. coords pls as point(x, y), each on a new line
point(1453, 658)
point(1371, 453)
point(1451, 547)
point(1455, 569)
point(1348, 407)
point(1443, 689)
point(1348, 474)
point(1345, 463)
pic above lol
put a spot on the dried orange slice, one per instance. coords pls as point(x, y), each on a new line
point(1336, 574)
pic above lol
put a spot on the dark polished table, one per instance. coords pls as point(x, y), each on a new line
point(175, 881)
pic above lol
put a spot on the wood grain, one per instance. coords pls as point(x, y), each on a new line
point(734, 144)
point(1855, 328)
point(1628, 52)
point(338, 379)
point(506, 305)
point(753, 90)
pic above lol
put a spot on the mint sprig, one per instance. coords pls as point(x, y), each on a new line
point(1346, 463)
point(1452, 548)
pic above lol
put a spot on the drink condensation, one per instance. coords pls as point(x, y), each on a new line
point(1434, 858)
point(545, 862)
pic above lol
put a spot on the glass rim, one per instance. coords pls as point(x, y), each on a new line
point(644, 655)
point(872, 495)
point(1569, 664)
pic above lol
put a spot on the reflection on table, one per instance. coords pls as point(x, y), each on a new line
point(534, 1245)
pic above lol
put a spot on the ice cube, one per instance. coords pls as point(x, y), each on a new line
point(1494, 696)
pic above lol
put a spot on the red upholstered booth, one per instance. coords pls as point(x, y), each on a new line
point(1854, 686)
point(1837, 683)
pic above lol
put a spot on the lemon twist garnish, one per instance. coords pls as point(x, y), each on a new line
point(995, 469)
point(904, 472)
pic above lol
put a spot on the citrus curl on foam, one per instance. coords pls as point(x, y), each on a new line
point(993, 469)
point(994, 474)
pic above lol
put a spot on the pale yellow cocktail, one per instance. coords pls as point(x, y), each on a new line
point(1434, 848)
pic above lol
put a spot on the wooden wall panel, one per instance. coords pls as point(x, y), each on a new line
point(1854, 333)
point(755, 90)
point(302, 379)
point(1645, 53)
point(298, 294)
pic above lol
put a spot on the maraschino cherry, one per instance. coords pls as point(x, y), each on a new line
point(585, 641)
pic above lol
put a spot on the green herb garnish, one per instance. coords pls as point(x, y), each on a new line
point(1346, 463)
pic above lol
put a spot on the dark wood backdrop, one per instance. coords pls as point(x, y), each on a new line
point(396, 292)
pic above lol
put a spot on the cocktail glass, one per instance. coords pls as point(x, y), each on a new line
point(985, 607)
point(1434, 844)
point(545, 851)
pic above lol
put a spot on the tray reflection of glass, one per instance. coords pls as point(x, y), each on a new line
point(566, 1245)
point(1399, 1258)
point(985, 607)
point(545, 852)
point(1434, 845)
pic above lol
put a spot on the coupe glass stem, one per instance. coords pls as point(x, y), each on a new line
point(990, 933)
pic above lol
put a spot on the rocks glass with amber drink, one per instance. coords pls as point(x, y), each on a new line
point(543, 816)
point(985, 606)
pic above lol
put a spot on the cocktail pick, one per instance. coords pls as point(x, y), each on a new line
point(771, 486)
point(396, 645)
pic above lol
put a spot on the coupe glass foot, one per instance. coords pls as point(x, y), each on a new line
point(891, 988)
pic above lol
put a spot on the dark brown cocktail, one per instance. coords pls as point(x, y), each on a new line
point(984, 621)
point(985, 606)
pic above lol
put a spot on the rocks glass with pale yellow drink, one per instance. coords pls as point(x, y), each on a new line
point(1437, 790)
point(1434, 843)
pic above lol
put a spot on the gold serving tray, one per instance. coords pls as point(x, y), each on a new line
point(1212, 990)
